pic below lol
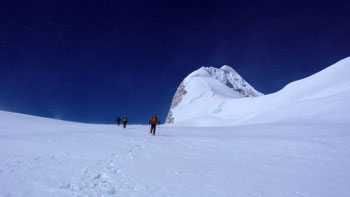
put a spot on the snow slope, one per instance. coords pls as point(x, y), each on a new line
point(322, 97)
point(44, 157)
point(295, 142)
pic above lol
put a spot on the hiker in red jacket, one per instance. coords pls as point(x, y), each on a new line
point(153, 121)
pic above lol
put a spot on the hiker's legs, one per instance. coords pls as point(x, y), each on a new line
point(153, 129)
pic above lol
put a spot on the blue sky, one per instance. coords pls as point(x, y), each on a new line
point(91, 61)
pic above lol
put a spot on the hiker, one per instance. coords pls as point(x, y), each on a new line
point(118, 121)
point(125, 120)
point(153, 121)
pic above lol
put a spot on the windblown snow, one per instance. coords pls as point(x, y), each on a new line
point(295, 142)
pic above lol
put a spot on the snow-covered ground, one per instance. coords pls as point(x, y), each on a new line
point(45, 157)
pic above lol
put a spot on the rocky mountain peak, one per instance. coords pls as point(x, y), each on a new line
point(210, 81)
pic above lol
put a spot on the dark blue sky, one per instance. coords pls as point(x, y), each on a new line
point(91, 61)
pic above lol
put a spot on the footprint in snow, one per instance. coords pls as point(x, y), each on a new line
point(103, 176)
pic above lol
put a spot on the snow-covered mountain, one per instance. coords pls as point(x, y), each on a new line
point(202, 100)
point(300, 149)
point(207, 83)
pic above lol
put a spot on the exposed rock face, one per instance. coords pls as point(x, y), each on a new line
point(230, 78)
point(180, 92)
point(237, 86)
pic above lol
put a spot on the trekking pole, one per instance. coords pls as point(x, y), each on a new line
point(158, 130)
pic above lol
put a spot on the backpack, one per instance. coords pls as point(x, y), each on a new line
point(154, 120)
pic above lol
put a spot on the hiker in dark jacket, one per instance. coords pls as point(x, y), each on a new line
point(153, 121)
point(125, 121)
point(118, 121)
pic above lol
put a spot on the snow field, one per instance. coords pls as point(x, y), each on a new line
point(70, 159)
